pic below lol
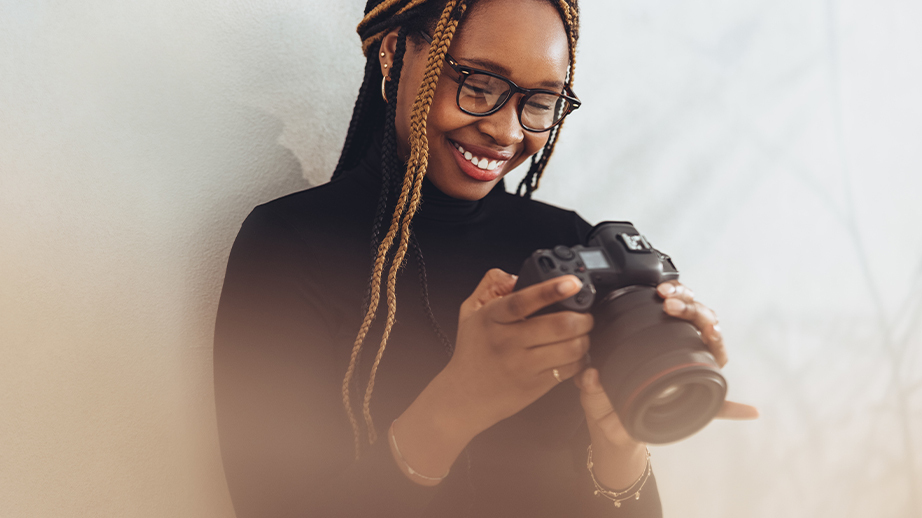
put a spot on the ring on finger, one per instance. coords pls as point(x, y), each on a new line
point(556, 374)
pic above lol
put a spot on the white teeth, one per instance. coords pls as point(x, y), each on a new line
point(482, 163)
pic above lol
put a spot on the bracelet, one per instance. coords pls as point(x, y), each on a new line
point(404, 461)
point(619, 496)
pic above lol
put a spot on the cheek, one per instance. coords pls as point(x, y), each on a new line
point(535, 141)
point(444, 114)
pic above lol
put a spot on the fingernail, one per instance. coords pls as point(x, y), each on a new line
point(668, 289)
point(675, 305)
point(715, 333)
point(568, 286)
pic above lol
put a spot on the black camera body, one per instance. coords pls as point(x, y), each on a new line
point(663, 382)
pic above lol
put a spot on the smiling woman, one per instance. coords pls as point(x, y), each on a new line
point(477, 419)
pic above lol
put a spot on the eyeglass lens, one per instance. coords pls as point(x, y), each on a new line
point(480, 93)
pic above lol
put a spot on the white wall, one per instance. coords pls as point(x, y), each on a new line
point(773, 148)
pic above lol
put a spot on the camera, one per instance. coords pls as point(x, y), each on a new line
point(662, 381)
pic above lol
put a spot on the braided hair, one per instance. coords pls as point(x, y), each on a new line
point(402, 199)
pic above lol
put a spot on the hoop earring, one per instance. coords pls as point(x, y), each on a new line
point(384, 80)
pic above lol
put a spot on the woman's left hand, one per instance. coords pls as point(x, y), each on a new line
point(615, 450)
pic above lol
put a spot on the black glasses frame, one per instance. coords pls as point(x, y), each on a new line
point(466, 71)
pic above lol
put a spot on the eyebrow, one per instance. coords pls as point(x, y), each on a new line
point(499, 69)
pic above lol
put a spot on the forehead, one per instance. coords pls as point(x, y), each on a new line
point(522, 39)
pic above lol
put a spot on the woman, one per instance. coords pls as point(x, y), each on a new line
point(471, 414)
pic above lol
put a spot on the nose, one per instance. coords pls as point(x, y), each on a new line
point(503, 126)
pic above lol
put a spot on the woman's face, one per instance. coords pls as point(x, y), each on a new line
point(522, 40)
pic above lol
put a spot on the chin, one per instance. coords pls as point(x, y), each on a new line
point(471, 192)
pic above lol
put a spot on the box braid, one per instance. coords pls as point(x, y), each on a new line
point(441, 18)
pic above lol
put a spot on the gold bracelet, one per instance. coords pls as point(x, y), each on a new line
point(619, 496)
point(404, 461)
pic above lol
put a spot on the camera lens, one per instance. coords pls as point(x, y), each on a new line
point(661, 379)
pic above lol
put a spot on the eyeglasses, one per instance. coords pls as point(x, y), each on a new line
point(482, 93)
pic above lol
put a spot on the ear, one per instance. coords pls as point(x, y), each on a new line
point(387, 52)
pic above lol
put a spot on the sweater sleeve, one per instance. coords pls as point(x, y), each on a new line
point(286, 444)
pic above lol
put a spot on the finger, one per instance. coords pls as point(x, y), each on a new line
point(714, 339)
point(598, 408)
point(592, 396)
point(734, 410)
point(588, 381)
point(704, 319)
point(547, 357)
point(522, 303)
point(495, 284)
point(675, 289)
point(567, 371)
point(695, 312)
point(545, 329)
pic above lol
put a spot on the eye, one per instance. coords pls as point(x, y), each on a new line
point(478, 84)
point(538, 106)
point(474, 90)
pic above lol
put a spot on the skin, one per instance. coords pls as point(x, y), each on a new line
point(503, 359)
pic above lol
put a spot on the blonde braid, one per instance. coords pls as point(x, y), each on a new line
point(377, 271)
point(416, 171)
point(374, 13)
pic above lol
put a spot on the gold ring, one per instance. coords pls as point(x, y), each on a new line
point(556, 374)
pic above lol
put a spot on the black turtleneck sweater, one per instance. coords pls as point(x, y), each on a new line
point(289, 312)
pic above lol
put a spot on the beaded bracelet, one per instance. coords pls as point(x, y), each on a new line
point(619, 496)
point(404, 461)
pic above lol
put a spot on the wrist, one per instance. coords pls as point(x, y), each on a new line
point(617, 463)
point(631, 492)
point(430, 434)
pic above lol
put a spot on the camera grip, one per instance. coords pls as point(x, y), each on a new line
point(546, 264)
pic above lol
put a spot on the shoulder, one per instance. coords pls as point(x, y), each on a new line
point(330, 223)
point(338, 204)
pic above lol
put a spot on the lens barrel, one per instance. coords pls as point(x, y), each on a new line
point(659, 375)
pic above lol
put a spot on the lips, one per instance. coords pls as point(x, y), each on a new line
point(478, 163)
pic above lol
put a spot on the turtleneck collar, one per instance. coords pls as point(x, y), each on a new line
point(436, 205)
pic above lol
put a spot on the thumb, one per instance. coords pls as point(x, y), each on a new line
point(592, 396)
point(734, 410)
point(598, 408)
point(495, 284)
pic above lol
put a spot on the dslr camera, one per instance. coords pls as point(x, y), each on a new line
point(662, 381)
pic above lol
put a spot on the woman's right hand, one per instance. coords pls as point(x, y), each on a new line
point(503, 361)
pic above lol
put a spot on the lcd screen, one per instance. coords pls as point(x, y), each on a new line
point(594, 259)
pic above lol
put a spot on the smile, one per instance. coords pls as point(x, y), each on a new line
point(483, 163)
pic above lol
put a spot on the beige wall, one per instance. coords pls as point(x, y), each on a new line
point(771, 147)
